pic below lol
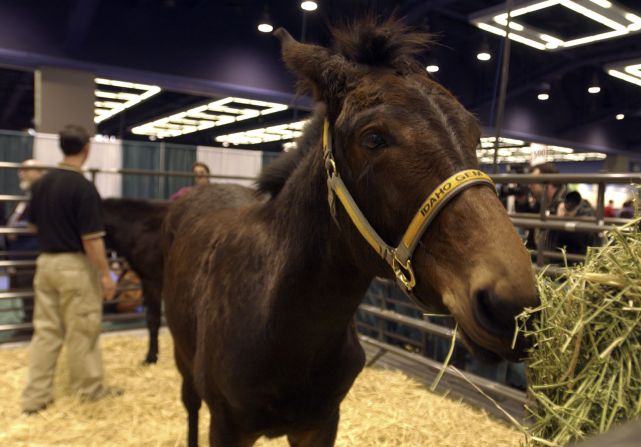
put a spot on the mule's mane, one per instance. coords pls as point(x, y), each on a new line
point(273, 177)
point(377, 43)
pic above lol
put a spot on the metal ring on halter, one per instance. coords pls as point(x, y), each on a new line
point(330, 166)
point(404, 273)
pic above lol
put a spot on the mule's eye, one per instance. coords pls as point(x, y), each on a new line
point(374, 141)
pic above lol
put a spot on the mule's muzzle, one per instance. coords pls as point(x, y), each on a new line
point(497, 315)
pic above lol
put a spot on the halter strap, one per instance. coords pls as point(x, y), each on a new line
point(399, 258)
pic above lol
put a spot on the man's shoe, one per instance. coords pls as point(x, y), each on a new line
point(37, 409)
point(105, 391)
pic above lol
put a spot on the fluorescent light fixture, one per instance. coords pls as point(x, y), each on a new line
point(543, 96)
point(265, 28)
point(281, 132)
point(619, 20)
point(309, 6)
point(509, 152)
point(594, 89)
point(432, 68)
point(620, 116)
point(214, 114)
point(112, 97)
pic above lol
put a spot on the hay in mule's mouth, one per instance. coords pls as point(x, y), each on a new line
point(383, 408)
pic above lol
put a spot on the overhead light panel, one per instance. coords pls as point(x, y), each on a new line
point(214, 114)
point(629, 71)
point(518, 151)
point(432, 68)
point(617, 20)
point(113, 97)
point(620, 116)
point(281, 132)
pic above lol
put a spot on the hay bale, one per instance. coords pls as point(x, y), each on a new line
point(584, 371)
point(383, 408)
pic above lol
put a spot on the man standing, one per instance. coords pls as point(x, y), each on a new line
point(72, 274)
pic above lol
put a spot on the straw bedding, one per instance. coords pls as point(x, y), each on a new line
point(584, 372)
point(384, 408)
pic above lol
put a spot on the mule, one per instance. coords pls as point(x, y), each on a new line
point(260, 299)
point(133, 231)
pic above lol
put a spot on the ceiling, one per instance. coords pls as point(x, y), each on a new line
point(200, 41)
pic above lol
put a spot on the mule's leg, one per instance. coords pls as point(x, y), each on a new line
point(224, 430)
point(191, 400)
point(152, 302)
point(322, 436)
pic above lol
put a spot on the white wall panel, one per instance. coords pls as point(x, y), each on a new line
point(225, 161)
point(104, 154)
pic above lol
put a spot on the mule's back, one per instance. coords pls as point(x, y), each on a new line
point(201, 200)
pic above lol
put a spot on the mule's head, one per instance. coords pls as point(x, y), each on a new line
point(397, 135)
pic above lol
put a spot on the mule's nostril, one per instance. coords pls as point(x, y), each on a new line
point(493, 314)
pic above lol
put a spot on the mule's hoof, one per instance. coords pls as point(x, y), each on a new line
point(150, 361)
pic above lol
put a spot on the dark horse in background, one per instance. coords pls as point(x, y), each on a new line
point(133, 231)
point(260, 299)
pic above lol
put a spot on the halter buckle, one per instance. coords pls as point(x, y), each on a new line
point(404, 272)
point(330, 167)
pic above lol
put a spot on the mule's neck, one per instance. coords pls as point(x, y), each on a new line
point(321, 276)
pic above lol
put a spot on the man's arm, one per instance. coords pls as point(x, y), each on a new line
point(95, 251)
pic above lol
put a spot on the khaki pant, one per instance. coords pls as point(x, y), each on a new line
point(68, 308)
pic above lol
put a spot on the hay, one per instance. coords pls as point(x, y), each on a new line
point(584, 371)
point(384, 408)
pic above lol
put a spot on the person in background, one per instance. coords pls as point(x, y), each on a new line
point(23, 278)
point(72, 275)
point(609, 210)
point(573, 241)
point(627, 210)
point(202, 178)
point(555, 199)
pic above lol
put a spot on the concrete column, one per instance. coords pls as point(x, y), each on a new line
point(617, 163)
point(64, 96)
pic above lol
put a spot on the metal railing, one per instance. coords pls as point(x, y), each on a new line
point(381, 313)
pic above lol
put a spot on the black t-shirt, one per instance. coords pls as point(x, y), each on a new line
point(66, 208)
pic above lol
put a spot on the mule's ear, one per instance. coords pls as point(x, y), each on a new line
point(306, 60)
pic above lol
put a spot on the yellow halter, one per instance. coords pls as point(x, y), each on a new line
point(399, 258)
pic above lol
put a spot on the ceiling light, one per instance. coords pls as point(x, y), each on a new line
point(215, 114)
point(594, 87)
point(281, 132)
point(544, 92)
point(309, 6)
point(484, 52)
point(509, 152)
point(432, 68)
point(620, 116)
point(112, 97)
point(265, 23)
point(619, 20)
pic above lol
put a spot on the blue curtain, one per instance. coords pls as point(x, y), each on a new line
point(141, 155)
point(178, 157)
